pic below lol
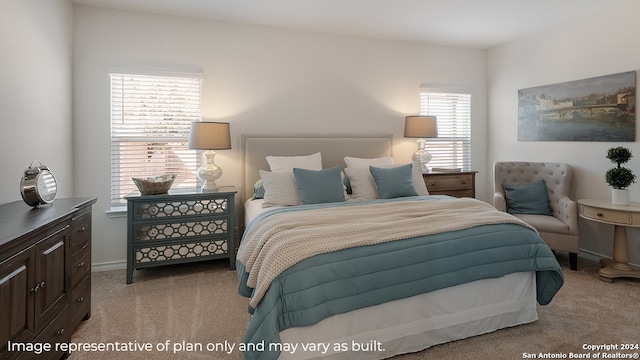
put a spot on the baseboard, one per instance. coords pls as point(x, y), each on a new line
point(110, 265)
point(590, 255)
point(596, 257)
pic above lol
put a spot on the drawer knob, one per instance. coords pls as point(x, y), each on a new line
point(37, 287)
point(599, 214)
point(61, 331)
point(81, 264)
point(80, 299)
point(83, 229)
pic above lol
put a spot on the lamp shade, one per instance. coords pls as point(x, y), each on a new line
point(207, 135)
point(417, 126)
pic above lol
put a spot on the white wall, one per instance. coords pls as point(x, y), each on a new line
point(35, 92)
point(273, 81)
point(600, 44)
point(263, 81)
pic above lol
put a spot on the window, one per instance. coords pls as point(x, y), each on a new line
point(452, 147)
point(150, 121)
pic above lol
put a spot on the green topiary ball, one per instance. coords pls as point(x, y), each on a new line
point(620, 177)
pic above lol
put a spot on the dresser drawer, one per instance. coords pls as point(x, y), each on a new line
point(180, 208)
point(182, 250)
point(58, 331)
point(80, 230)
point(448, 182)
point(455, 193)
point(80, 267)
point(80, 302)
point(607, 215)
point(84, 247)
point(172, 229)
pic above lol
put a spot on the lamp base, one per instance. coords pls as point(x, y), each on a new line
point(209, 172)
point(422, 155)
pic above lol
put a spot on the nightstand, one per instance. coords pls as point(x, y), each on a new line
point(184, 225)
point(458, 184)
point(621, 217)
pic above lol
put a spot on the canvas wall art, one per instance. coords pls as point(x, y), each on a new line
point(595, 109)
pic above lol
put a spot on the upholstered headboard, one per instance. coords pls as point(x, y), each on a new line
point(334, 149)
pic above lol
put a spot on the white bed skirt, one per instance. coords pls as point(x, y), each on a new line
point(422, 321)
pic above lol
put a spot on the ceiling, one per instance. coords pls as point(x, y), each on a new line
point(467, 23)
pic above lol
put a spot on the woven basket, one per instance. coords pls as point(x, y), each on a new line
point(154, 185)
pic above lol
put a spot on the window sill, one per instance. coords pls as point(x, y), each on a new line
point(117, 212)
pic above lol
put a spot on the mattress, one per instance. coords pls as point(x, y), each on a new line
point(253, 208)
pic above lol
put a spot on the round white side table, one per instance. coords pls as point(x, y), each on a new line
point(620, 216)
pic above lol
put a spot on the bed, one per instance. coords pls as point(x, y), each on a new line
point(389, 287)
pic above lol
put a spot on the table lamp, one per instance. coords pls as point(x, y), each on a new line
point(421, 126)
point(209, 136)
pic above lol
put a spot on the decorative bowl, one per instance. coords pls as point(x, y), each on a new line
point(154, 185)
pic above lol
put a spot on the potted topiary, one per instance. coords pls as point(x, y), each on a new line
point(619, 177)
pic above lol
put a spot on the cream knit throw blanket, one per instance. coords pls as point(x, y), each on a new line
point(281, 240)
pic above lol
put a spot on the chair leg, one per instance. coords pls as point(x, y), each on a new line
point(573, 261)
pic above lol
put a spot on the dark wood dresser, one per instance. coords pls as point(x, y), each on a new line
point(45, 275)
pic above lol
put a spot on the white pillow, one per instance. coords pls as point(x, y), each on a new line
point(363, 185)
point(418, 180)
point(280, 189)
point(287, 163)
point(360, 162)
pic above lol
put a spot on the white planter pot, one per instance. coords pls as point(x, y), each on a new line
point(620, 196)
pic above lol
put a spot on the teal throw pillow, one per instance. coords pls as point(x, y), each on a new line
point(394, 182)
point(258, 190)
point(320, 186)
point(530, 198)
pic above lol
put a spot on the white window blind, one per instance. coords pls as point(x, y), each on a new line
point(150, 121)
point(452, 147)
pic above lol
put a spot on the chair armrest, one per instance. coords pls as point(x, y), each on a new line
point(499, 201)
point(568, 213)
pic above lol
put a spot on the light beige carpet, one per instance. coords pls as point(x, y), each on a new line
point(198, 303)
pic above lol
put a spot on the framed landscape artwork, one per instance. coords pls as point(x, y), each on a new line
point(595, 109)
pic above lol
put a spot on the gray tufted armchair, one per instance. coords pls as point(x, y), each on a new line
point(559, 231)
